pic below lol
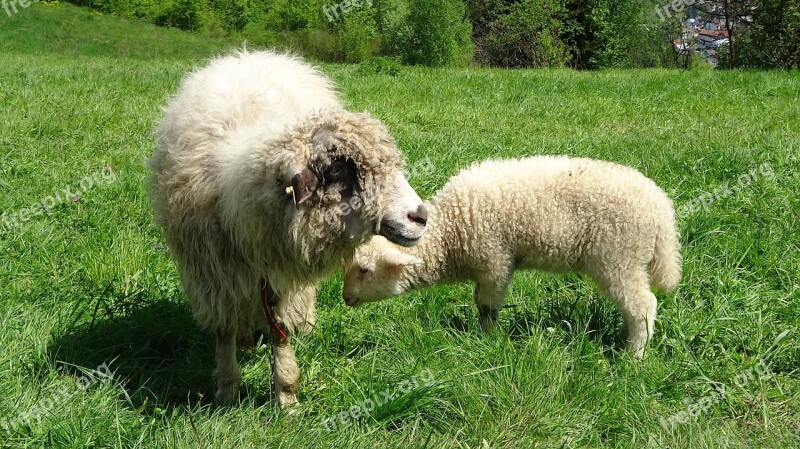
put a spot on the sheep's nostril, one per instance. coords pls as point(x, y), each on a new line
point(420, 215)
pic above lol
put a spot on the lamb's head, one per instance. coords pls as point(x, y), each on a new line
point(348, 178)
point(377, 272)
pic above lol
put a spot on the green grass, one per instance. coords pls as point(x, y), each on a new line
point(89, 281)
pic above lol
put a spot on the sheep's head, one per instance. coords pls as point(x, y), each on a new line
point(349, 178)
point(377, 272)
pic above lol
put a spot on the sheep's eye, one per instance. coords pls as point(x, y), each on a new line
point(336, 170)
point(363, 270)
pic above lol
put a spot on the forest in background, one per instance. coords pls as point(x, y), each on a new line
point(582, 34)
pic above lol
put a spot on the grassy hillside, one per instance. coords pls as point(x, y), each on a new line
point(85, 281)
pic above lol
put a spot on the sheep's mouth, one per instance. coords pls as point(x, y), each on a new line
point(400, 234)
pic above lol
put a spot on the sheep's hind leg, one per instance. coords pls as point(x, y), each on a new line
point(251, 320)
point(228, 376)
point(306, 317)
point(489, 297)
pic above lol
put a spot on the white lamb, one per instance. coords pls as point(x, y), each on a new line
point(558, 214)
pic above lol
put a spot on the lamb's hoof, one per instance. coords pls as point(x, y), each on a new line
point(489, 327)
point(291, 409)
point(636, 349)
point(488, 318)
point(227, 395)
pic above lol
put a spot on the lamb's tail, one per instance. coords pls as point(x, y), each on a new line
point(665, 268)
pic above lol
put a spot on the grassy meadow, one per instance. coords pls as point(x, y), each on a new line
point(98, 348)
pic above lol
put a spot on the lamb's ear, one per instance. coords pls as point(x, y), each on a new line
point(396, 258)
point(303, 185)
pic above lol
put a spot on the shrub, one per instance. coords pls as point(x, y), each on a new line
point(391, 20)
point(526, 34)
point(357, 37)
point(180, 14)
point(620, 33)
point(379, 65)
point(437, 33)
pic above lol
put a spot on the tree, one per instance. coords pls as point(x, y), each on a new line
point(731, 13)
point(774, 38)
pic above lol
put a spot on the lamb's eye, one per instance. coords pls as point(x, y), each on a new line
point(363, 270)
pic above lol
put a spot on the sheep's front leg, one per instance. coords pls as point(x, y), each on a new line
point(285, 373)
point(228, 377)
point(306, 315)
point(294, 311)
point(489, 297)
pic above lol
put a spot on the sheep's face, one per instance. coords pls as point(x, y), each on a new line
point(354, 183)
point(377, 273)
point(405, 218)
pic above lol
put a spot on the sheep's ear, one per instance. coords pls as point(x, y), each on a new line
point(324, 139)
point(303, 185)
point(396, 258)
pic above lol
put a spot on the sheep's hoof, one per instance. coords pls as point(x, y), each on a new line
point(305, 327)
point(288, 401)
point(245, 339)
point(227, 395)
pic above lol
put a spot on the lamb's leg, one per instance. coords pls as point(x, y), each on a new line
point(228, 377)
point(634, 298)
point(640, 318)
point(489, 297)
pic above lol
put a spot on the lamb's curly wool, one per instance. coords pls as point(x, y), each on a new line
point(557, 214)
point(236, 136)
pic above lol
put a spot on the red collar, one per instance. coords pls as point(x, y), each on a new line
point(268, 302)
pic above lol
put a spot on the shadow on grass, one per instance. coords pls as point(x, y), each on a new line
point(154, 348)
point(568, 309)
point(569, 322)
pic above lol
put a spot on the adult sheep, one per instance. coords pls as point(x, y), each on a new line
point(254, 157)
point(549, 213)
